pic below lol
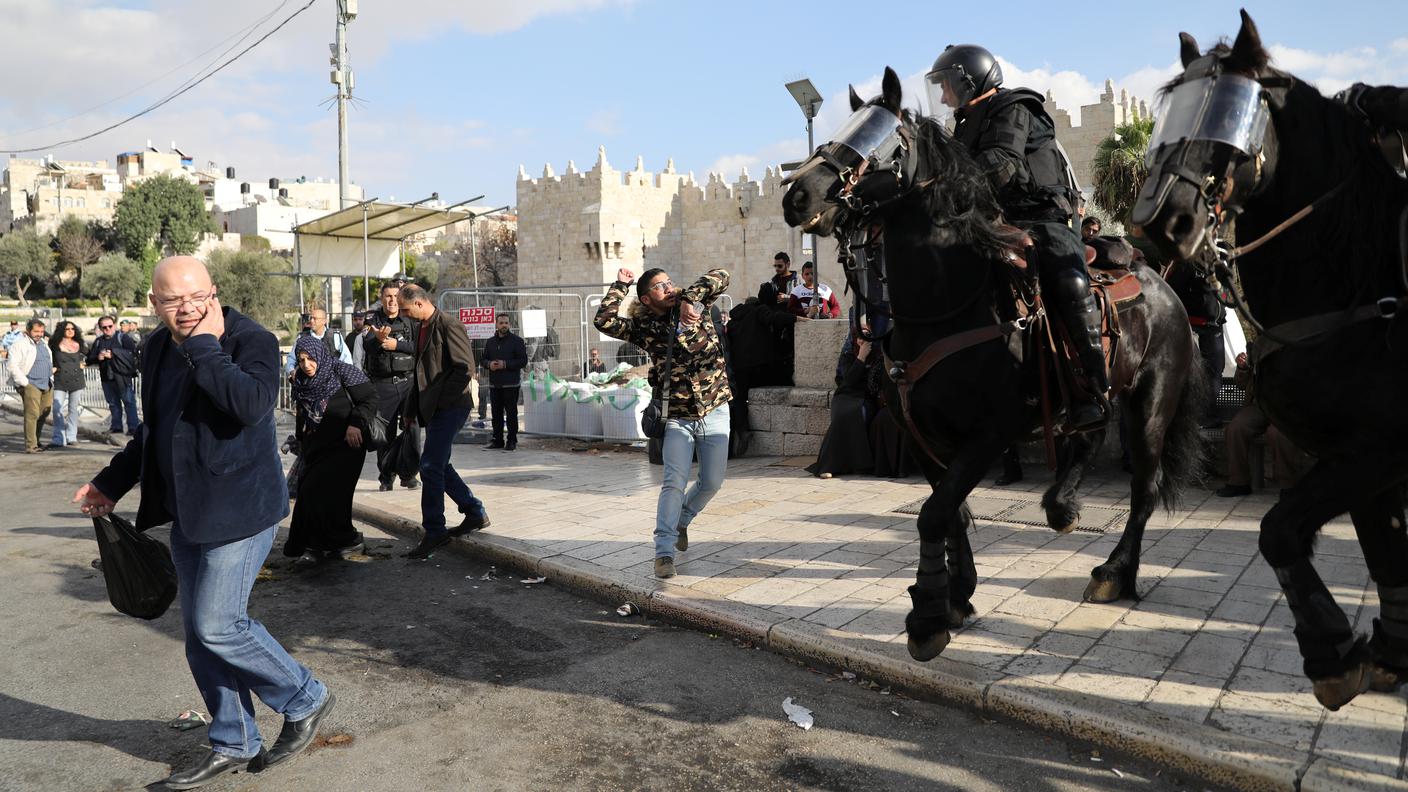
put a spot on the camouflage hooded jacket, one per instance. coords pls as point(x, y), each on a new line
point(698, 381)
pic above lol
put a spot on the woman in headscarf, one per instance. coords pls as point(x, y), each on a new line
point(334, 404)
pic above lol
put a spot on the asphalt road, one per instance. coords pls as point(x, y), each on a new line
point(447, 680)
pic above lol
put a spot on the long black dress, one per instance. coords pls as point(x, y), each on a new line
point(846, 447)
point(322, 515)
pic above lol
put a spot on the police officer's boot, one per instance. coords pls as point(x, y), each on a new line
point(1081, 316)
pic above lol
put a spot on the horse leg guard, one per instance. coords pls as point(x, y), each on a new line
point(1337, 663)
point(927, 623)
point(1389, 645)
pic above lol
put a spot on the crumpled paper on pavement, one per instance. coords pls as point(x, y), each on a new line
point(797, 713)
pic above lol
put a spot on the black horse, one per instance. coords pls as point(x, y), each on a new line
point(946, 256)
point(1331, 360)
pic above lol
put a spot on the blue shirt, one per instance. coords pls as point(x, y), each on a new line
point(41, 374)
point(169, 389)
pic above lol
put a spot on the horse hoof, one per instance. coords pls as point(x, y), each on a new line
point(1071, 526)
point(1383, 679)
point(958, 614)
point(1101, 591)
point(1337, 691)
point(929, 648)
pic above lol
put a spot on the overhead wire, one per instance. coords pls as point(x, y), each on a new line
point(169, 97)
point(240, 35)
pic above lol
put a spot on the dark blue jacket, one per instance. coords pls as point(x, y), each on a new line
point(512, 351)
point(225, 452)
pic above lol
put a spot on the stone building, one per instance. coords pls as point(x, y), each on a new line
point(580, 227)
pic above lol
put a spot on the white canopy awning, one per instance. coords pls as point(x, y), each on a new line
point(364, 239)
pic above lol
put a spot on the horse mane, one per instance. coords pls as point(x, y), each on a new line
point(960, 199)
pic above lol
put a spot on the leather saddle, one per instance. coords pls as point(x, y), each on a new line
point(1108, 262)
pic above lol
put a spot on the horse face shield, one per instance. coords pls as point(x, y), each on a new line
point(1220, 108)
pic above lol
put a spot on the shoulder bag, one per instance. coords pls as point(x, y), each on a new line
point(652, 421)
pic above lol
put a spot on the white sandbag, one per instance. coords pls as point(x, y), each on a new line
point(544, 404)
point(583, 411)
point(621, 409)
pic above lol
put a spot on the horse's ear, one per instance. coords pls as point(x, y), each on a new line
point(1247, 50)
point(1187, 48)
point(856, 102)
point(890, 91)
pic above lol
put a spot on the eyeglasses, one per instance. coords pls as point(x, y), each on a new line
point(104, 327)
point(662, 286)
point(177, 303)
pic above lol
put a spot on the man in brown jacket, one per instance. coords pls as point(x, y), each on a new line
point(440, 402)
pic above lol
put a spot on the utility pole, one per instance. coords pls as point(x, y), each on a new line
point(342, 78)
point(346, 11)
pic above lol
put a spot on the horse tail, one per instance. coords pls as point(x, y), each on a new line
point(1184, 452)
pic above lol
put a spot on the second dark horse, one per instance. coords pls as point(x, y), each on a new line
point(945, 251)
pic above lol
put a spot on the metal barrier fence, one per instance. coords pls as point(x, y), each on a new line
point(92, 398)
point(569, 311)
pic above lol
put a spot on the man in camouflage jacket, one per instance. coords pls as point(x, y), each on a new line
point(663, 315)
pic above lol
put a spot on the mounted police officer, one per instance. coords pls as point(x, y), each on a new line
point(1013, 139)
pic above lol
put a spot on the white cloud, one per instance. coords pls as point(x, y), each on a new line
point(604, 122)
point(1333, 71)
point(731, 165)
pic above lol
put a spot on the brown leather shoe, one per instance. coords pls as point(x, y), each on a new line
point(664, 567)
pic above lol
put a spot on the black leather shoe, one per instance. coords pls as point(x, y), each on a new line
point(204, 772)
point(512, 446)
point(410, 484)
point(296, 735)
point(386, 485)
point(472, 523)
point(494, 445)
point(428, 546)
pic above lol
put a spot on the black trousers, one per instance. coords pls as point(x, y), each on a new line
point(391, 395)
point(503, 401)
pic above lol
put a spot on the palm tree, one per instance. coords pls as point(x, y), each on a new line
point(1119, 171)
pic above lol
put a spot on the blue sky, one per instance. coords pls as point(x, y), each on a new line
point(457, 94)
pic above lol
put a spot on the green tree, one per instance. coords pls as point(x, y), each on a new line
point(163, 211)
point(245, 283)
point(114, 279)
point(1118, 171)
point(77, 247)
point(25, 257)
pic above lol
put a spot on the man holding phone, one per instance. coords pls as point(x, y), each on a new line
point(207, 460)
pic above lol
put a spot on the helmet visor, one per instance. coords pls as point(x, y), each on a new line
point(871, 131)
point(1223, 108)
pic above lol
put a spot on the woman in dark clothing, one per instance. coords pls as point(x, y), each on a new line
point(846, 447)
point(69, 353)
point(335, 403)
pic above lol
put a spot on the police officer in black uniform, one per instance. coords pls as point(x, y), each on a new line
point(1014, 141)
point(390, 361)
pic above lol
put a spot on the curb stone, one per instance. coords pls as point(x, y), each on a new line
point(95, 435)
point(1210, 754)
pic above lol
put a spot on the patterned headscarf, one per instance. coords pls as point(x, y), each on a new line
point(312, 393)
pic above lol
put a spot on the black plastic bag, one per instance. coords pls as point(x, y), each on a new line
point(140, 577)
point(405, 453)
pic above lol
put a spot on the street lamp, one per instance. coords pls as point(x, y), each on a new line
point(809, 99)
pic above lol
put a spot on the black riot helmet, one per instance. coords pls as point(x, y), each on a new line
point(969, 71)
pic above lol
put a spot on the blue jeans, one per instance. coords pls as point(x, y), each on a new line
point(65, 417)
point(438, 477)
point(676, 508)
point(230, 654)
point(121, 396)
